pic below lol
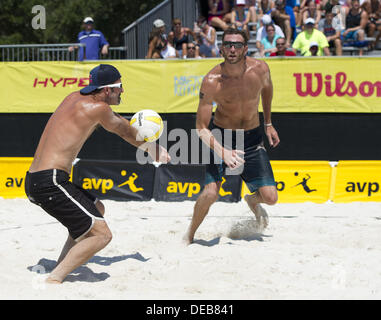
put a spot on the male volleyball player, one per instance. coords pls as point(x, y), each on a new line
point(236, 85)
point(47, 181)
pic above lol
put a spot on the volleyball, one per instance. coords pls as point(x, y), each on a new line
point(149, 125)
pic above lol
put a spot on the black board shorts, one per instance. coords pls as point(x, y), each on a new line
point(68, 203)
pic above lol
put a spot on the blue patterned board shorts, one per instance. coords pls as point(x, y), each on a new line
point(257, 171)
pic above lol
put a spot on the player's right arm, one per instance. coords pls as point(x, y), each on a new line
point(204, 115)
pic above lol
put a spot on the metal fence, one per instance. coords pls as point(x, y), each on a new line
point(136, 35)
point(51, 52)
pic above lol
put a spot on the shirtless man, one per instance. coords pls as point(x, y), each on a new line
point(236, 85)
point(47, 181)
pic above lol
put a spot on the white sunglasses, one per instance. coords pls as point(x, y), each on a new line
point(114, 85)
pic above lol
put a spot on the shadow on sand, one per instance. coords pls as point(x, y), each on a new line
point(216, 241)
point(84, 273)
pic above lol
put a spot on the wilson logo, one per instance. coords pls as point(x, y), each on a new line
point(338, 85)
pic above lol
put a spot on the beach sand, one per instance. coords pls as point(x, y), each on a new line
point(308, 251)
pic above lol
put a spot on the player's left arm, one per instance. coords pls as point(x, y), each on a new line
point(115, 123)
point(267, 96)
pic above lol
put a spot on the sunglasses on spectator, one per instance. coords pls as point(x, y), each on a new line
point(191, 48)
point(229, 44)
point(114, 85)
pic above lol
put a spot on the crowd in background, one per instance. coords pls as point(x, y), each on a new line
point(277, 27)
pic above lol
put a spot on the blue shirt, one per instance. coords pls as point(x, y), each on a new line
point(290, 12)
point(94, 41)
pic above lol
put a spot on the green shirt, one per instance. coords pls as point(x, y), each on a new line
point(303, 40)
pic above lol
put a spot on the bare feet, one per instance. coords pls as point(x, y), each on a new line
point(187, 239)
point(52, 281)
point(260, 213)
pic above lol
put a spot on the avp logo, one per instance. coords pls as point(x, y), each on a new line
point(303, 183)
point(104, 185)
point(192, 188)
point(12, 182)
point(369, 187)
point(130, 182)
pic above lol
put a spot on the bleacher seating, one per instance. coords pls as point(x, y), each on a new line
point(347, 50)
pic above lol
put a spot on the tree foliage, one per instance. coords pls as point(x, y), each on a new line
point(64, 19)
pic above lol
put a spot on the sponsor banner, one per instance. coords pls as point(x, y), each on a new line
point(297, 181)
point(358, 181)
point(300, 85)
point(301, 181)
point(12, 176)
point(115, 180)
point(185, 182)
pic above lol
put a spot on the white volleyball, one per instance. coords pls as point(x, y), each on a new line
point(149, 125)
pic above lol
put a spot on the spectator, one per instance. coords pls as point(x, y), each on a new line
point(192, 51)
point(312, 11)
point(219, 14)
point(281, 49)
point(314, 48)
point(308, 35)
point(328, 5)
point(261, 33)
point(332, 31)
point(95, 42)
point(373, 9)
point(268, 44)
point(179, 37)
point(356, 20)
point(157, 40)
point(252, 7)
point(168, 52)
point(207, 38)
point(265, 7)
point(282, 17)
point(241, 16)
point(295, 6)
point(375, 19)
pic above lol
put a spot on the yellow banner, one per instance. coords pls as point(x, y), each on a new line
point(358, 181)
point(297, 181)
point(12, 176)
point(300, 85)
point(301, 181)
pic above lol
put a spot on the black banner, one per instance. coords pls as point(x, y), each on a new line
point(185, 182)
point(115, 180)
point(126, 180)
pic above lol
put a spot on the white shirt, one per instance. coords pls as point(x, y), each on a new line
point(168, 52)
point(261, 34)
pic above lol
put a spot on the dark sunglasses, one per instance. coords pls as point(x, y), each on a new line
point(191, 48)
point(229, 44)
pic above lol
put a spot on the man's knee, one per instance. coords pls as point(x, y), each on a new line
point(269, 196)
point(211, 191)
point(102, 232)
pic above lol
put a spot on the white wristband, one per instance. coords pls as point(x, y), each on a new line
point(268, 124)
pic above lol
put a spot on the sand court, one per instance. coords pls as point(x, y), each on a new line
point(308, 251)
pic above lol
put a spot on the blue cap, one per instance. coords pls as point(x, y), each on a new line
point(102, 75)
